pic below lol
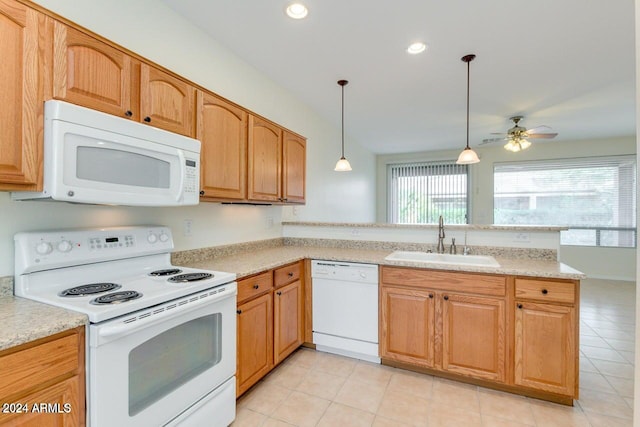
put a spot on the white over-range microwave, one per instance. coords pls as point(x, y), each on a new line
point(93, 157)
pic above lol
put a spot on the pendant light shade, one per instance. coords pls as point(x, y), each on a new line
point(468, 156)
point(343, 164)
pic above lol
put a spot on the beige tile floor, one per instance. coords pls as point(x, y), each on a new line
point(318, 389)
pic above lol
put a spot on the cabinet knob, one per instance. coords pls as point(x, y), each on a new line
point(446, 298)
point(279, 293)
point(519, 305)
point(239, 311)
point(544, 291)
point(256, 286)
point(430, 295)
point(290, 274)
point(202, 192)
point(147, 119)
point(128, 113)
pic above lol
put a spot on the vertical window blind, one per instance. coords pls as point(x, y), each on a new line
point(595, 197)
point(420, 192)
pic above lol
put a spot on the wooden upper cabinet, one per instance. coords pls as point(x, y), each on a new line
point(222, 130)
point(166, 102)
point(21, 91)
point(294, 155)
point(264, 161)
point(93, 74)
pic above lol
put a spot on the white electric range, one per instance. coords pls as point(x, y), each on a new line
point(161, 344)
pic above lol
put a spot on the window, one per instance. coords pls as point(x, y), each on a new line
point(420, 192)
point(594, 197)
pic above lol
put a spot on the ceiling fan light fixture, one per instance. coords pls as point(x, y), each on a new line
point(524, 144)
point(343, 164)
point(416, 48)
point(297, 11)
point(512, 146)
point(468, 156)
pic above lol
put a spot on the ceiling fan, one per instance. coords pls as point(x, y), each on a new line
point(517, 137)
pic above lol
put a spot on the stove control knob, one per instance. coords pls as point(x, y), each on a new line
point(164, 237)
point(44, 248)
point(152, 238)
point(64, 246)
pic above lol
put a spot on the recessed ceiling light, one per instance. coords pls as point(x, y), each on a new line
point(416, 48)
point(297, 10)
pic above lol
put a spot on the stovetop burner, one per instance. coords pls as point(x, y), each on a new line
point(89, 289)
point(190, 277)
point(116, 297)
point(165, 272)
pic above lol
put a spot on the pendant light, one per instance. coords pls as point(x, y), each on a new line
point(468, 156)
point(343, 164)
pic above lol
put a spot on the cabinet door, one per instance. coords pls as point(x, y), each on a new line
point(407, 325)
point(255, 341)
point(545, 347)
point(294, 155)
point(65, 395)
point(21, 92)
point(288, 320)
point(473, 336)
point(265, 161)
point(93, 74)
point(222, 130)
point(166, 102)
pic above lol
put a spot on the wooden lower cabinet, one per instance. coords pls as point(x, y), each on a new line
point(45, 382)
point(474, 336)
point(510, 333)
point(255, 341)
point(288, 320)
point(271, 310)
point(545, 347)
point(408, 325)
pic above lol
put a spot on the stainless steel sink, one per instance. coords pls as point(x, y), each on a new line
point(428, 257)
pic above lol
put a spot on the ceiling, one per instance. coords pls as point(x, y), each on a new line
point(566, 64)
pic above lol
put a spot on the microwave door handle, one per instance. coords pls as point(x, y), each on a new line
point(183, 171)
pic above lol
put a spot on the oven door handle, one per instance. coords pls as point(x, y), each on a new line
point(158, 314)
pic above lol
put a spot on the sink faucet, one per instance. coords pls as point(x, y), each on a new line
point(440, 248)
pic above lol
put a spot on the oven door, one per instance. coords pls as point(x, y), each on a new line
point(148, 371)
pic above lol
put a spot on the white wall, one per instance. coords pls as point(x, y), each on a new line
point(152, 30)
point(612, 263)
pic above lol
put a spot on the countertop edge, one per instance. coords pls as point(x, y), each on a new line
point(496, 227)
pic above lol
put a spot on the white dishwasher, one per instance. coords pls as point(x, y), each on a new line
point(345, 308)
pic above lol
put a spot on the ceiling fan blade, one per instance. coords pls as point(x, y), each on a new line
point(497, 133)
point(490, 140)
point(542, 135)
point(540, 129)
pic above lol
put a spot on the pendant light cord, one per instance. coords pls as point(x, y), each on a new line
point(468, 78)
point(343, 83)
point(342, 121)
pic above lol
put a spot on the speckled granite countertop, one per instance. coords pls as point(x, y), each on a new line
point(255, 261)
point(25, 320)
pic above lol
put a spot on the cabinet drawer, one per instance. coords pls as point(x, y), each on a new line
point(545, 290)
point(254, 286)
point(287, 274)
point(28, 368)
point(440, 280)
